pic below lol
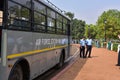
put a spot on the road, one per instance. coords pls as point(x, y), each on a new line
point(102, 66)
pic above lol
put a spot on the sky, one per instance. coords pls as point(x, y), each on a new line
point(87, 10)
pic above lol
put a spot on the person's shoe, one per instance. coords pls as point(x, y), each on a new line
point(117, 64)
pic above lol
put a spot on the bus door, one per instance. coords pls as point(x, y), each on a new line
point(1, 21)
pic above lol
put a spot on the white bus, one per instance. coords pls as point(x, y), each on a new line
point(34, 37)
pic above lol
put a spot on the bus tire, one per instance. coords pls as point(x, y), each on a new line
point(61, 62)
point(17, 73)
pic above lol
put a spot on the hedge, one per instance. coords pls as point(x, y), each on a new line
point(115, 47)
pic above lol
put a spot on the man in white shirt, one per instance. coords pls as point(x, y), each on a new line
point(82, 47)
point(89, 47)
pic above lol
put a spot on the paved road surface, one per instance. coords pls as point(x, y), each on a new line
point(102, 66)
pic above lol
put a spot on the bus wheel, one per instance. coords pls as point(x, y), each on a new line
point(17, 73)
point(61, 61)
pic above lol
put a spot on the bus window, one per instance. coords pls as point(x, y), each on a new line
point(1, 4)
point(24, 2)
point(51, 25)
point(1, 17)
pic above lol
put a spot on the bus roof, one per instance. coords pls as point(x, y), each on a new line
point(55, 8)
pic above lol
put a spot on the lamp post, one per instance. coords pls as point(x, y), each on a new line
point(89, 30)
point(105, 21)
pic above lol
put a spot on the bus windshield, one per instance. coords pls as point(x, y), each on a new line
point(1, 17)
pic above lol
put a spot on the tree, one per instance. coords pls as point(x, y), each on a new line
point(90, 30)
point(109, 23)
point(78, 28)
point(70, 15)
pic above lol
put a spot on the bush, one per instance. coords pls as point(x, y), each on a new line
point(115, 47)
point(103, 44)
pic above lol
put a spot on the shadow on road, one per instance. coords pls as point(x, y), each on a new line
point(51, 73)
point(73, 71)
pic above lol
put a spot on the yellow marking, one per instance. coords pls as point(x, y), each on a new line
point(32, 52)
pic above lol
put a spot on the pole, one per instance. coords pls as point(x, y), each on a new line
point(105, 33)
point(105, 29)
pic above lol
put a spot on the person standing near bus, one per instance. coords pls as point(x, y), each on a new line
point(118, 64)
point(89, 47)
point(82, 47)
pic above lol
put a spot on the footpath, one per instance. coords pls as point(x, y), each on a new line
point(102, 66)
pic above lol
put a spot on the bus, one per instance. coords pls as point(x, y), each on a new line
point(34, 37)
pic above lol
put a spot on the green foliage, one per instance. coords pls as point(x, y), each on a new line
point(115, 47)
point(70, 15)
point(78, 28)
point(90, 30)
point(108, 22)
